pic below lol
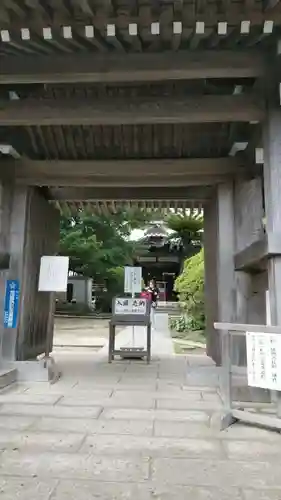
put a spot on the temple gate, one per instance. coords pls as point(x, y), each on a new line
point(154, 104)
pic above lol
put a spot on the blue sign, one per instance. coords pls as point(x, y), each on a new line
point(11, 303)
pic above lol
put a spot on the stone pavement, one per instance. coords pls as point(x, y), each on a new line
point(80, 332)
point(130, 431)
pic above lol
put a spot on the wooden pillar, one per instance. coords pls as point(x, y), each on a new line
point(272, 191)
point(248, 212)
point(34, 231)
point(219, 265)
point(225, 254)
point(211, 282)
point(6, 197)
point(250, 294)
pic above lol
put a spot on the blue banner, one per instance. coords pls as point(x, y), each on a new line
point(11, 304)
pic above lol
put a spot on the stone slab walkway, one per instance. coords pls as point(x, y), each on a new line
point(130, 431)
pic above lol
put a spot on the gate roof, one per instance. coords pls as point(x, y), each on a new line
point(108, 101)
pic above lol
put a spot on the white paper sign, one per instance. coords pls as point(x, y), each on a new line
point(264, 360)
point(53, 274)
point(132, 281)
point(130, 306)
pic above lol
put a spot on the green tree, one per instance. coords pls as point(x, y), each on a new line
point(187, 227)
point(98, 244)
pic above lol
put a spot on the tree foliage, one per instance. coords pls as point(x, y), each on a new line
point(190, 287)
point(98, 244)
point(187, 227)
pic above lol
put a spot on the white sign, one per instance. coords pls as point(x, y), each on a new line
point(130, 306)
point(264, 360)
point(133, 278)
point(53, 274)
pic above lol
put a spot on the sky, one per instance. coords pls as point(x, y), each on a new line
point(137, 234)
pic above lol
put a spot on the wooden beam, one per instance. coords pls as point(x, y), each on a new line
point(49, 171)
point(133, 193)
point(196, 109)
point(253, 256)
point(133, 67)
point(119, 182)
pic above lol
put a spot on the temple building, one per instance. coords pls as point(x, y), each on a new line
point(161, 257)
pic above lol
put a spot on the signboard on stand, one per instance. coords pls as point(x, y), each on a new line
point(53, 274)
point(132, 280)
point(11, 303)
point(264, 360)
point(130, 306)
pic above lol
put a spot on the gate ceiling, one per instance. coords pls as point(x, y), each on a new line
point(132, 102)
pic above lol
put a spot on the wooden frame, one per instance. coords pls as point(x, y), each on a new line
point(129, 320)
point(118, 352)
point(236, 411)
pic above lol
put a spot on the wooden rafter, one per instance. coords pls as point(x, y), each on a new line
point(133, 68)
point(206, 108)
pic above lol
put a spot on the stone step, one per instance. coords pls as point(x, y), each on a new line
point(169, 310)
point(7, 377)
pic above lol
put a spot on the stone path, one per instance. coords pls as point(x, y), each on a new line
point(80, 332)
point(130, 431)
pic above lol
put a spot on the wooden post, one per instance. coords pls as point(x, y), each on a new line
point(211, 281)
point(33, 232)
point(17, 218)
point(248, 214)
point(6, 196)
point(225, 254)
point(272, 190)
point(226, 365)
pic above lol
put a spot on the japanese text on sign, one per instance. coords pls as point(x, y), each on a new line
point(53, 273)
point(11, 304)
point(263, 360)
point(132, 279)
point(130, 306)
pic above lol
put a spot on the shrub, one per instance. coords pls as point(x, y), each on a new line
point(186, 323)
point(190, 287)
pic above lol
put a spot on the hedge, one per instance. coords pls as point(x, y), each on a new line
point(190, 287)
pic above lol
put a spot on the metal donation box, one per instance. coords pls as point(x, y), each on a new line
point(133, 312)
